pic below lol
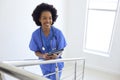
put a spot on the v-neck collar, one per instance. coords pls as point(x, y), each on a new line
point(47, 40)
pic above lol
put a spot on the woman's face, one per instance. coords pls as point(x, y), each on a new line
point(46, 19)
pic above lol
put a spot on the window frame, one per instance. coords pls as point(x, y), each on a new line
point(107, 54)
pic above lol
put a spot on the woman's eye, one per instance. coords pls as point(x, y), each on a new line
point(50, 18)
point(44, 18)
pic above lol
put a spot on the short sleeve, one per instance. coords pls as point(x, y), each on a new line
point(33, 44)
point(61, 40)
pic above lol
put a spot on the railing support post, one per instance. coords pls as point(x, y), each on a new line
point(75, 71)
point(57, 72)
point(83, 69)
point(1, 76)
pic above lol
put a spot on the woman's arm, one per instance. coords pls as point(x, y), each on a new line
point(46, 56)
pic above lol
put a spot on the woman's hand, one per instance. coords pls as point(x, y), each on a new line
point(53, 56)
point(45, 56)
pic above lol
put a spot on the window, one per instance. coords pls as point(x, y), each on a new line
point(99, 26)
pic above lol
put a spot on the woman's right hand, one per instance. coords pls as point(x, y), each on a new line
point(45, 56)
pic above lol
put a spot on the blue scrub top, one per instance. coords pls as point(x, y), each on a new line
point(50, 43)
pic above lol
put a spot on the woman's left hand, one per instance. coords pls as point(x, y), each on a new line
point(54, 56)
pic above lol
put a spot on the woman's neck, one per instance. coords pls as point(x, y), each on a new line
point(46, 31)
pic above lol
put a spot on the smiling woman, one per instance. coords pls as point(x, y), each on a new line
point(47, 39)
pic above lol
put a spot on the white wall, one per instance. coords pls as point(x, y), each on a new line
point(75, 34)
point(16, 26)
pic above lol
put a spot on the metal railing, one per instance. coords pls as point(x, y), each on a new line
point(11, 68)
point(19, 73)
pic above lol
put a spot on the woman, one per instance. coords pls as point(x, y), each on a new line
point(47, 39)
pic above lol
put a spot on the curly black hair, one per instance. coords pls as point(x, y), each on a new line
point(44, 7)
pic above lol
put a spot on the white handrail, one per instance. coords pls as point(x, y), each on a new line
point(19, 73)
point(30, 62)
point(10, 67)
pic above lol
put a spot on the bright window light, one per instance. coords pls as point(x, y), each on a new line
point(99, 25)
point(99, 32)
point(103, 4)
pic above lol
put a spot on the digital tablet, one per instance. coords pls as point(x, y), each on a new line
point(55, 52)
